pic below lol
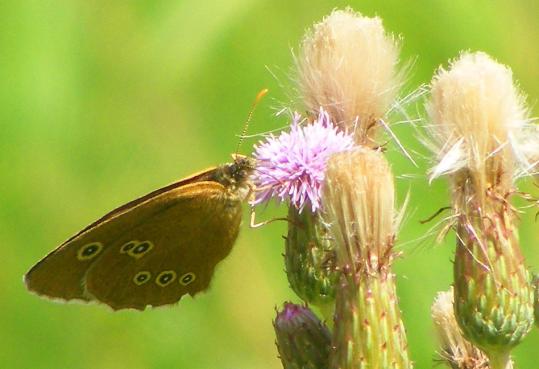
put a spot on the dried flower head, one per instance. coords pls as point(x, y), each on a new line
point(478, 118)
point(347, 65)
point(291, 166)
point(456, 351)
point(359, 198)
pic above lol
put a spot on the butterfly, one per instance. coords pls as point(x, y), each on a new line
point(152, 250)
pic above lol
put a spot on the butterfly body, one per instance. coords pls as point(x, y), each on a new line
point(153, 250)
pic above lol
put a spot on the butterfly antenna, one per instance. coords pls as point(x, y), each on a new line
point(259, 97)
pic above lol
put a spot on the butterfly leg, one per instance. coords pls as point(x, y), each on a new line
point(254, 224)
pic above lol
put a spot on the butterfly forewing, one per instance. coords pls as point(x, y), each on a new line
point(203, 176)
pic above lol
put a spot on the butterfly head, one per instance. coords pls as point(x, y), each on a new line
point(242, 168)
point(236, 176)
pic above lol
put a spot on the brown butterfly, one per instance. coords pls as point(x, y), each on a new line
point(155, 249)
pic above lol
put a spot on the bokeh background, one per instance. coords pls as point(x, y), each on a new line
point(103, 101)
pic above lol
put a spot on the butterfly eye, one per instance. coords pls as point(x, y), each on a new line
point(127, 246)
point(140, 249)
point(165, 278)
point(142, 277)
point(89, 251)
point(187, 278)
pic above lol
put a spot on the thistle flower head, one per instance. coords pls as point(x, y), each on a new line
point(455, 349)
point(347, 65)
point(478, 116)
point(291, 166)
point(359, 204)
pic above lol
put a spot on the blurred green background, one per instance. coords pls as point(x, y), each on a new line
point(103, 101)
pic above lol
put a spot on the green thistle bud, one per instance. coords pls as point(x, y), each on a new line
point(310, 259)
point(493, 295)
point(359, 199)
point(478, 117)
point(303, 341)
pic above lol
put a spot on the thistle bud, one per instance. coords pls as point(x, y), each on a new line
point(359, 202)
point(310, 260)
point(348, 66)
point(302, 340)
point(455, 350)
point(477, 113)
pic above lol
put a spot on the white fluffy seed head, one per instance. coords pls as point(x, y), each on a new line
point(477, 119)
point(348, 66)
point(454, 348)
point(359, 205)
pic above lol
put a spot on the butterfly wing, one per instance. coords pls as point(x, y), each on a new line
point(187, 229)
point(185, 244)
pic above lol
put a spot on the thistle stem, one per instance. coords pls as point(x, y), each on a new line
point(500, 361)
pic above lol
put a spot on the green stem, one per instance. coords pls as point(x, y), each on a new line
point(500, 361)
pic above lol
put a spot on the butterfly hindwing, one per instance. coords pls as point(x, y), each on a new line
point(60, 274)
point(170, 254)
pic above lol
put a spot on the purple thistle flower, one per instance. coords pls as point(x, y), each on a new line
point(291, 166)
